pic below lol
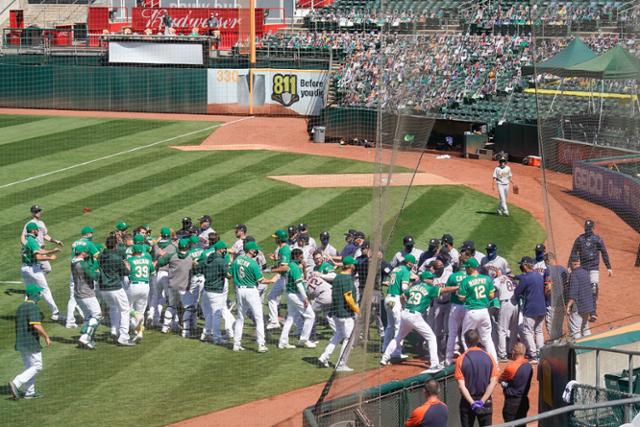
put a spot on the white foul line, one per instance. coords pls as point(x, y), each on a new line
point(131, 150)
point(10, 282)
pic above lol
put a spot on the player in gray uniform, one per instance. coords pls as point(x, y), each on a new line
point(302, 243)
point(540, 265)
point(85, 272)
point(204, 231)
point(507, 315)
point(237, 248)
point(327, 249)
point(319, 287)
point(470, 248)
point(157, 298)
point(180, 264)
point(409, 248)
point(556, 279)
point(42, 237)
point(438, 314)
point(302, 229)
point(493, 261)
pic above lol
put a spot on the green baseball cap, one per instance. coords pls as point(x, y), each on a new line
point(348, 260)
point(183, 243)
point(122, 226)
point(220, 244)
point(32, 289)
point(426, 275)
point(165, 232)
point(137, 249)
point(99, 247)
point(251, 246)
point(32, 226)
point(80, 249)
point(410, 258)
point(138, 238)
point(86, 230)
point(281, 235)
point(471, 263)
point(194, 239)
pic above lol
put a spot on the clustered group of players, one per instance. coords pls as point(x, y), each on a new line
point(161, 282)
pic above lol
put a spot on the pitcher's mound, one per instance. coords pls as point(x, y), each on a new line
point(362, 180)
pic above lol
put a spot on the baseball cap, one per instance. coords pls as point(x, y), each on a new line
point(358, 235)
point(302, 236)
point(410, 258)
point(426, 275)
point(86, 230)
point(471, 263)
point(434, 242)
point(280, 235)
point(194, 239)
point(220, 244)
point(407, 240)
point(122, 226)
point(252, 246)
point(205, 218)
point(291, 230)
point(491, 247)
point(33, 289)
point(165, 232)
point(447, 238)
point(468, 244)
point(324, 235)
point(302, 226)
point(589, 224)
point(501, 160)
point(138, 238)
point(186, 220)
point(183, 243)
point(351, 232)
point(348, 260)
point(137, 249)
point(32, 226)
point(99, 247)
point(365, 245)
point(526, 260)
point(36, 209)
point(241, 227)
point(540, 247)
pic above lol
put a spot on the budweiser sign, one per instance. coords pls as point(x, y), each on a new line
point(184, 19)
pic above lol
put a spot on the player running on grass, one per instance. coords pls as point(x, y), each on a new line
point(85, 271)
point(140, 266)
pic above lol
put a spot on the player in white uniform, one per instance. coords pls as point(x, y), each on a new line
point(327, 249)
point(447, 242)
point(302, 243)
point(302, 229)
point(508, 313)
point(502, 177)
point(493, 261)
point(204, 230)
point(470, 249)
point(319, 286)
point(283, 256)
point(237, 248)
point(43, 234)
point(409, 248)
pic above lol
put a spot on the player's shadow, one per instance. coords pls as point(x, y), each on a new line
point(494, 213)
point(5, 390)
point(12, 291)
point(312, 361)
point(9, 317)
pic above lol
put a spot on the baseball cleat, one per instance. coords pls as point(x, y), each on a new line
point(14, 390)
point(55, 316)
point(384, 361)
point(34, 396)
point(126, 343)
point(91, 345)
point(263, 348)
point(308, 344)
point(71, 326)
point(138, 337)
point(84, 340)
point(344, 368)
point(204, 337)
point(165, 330)
point(432, 370)
point(456, 354)
point(286, 346)
point(237, 347)
point(323, 362)
point(273, 326)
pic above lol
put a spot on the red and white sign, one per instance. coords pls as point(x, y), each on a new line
point(184, 19)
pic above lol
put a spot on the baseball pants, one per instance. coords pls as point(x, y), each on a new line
point(72, 304)
point(274, 298)
point(213, 304)
point(344, 328)
point(503, 191)
point(46, 266)
point(410, 321)
point(594, 278)
point(579, 324)
point(507, 328)
point(481, 321)
point(441, 314)
point(32, 366)
point(118, 312)
point(297, 310)
point(92, 315)
point(319, 307)
point(138, 295)
point(456, 317)
point(156, 298)
point(34, 274)
point(189, 300)
point(553, 321)
point(248, 299)
point(229, 320)
point(393, 308)
point(531, 331)
point(171, 312)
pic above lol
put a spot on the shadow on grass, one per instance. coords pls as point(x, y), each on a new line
point(12, 291)
point(494, 213)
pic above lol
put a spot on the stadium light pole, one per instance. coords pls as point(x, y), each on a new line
point(252, 49)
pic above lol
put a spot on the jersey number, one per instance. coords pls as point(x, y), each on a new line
point(414, 298)
point(142, 271)
point(480, 292)
point(241, 273)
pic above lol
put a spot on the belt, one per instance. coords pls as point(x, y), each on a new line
point(505, 300)
point(412, 311)
point(138, 283)
point(246, 287)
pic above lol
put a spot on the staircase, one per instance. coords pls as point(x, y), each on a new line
point(331, 90)
point(50, 15)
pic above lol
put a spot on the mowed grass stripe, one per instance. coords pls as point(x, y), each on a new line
point(7, 121)
point(38, 147)
point(43, 128)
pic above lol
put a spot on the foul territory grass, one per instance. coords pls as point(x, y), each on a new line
point(167, 378)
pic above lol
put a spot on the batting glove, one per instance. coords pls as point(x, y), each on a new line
point(478, 404)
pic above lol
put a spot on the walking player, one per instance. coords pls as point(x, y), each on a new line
point(43, 234)
point(399, 280)
point(140, 267)
point(85, 272)
point(502, 177)
point(283, 257)
point(214, 300)
point(28, 332)
point(112, 271)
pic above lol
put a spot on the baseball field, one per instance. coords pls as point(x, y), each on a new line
point(97, 171)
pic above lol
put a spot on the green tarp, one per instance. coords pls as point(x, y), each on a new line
point(575, 53)
point(615, 64)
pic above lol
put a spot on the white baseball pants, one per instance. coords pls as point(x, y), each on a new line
point(319, 307)
point(507, 328)
point(32, 366)
point(156, 300)
point(72, 304)
point(393, 308)
point(46, 266)
point(456, 318)
point(274, 298)
point(173, 300)
point(138, 295)
point(118, 305)
point(531, 330)
point(297, 310)
point(503, 191)
point(248, 299)
point(344, 328)
point(189, 300)
point(229, 320)
point(213, 304)
point(414, 322)
point(34, 274)
point(480, 320)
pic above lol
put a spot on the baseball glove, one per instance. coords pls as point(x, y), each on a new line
point(516, 189)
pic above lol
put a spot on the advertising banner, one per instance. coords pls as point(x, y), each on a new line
point(155, 53)
point(612, 189)
point(266, 91)
point(185, 19)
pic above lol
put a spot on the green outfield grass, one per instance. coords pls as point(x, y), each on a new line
point(167, 378)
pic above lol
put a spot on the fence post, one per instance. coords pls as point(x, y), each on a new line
point(597, 378)
point(627, 408)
